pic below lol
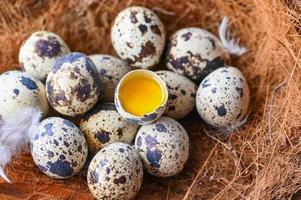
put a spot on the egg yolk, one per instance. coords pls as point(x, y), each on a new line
point(140, 95)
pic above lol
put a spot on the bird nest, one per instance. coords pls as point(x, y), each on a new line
point(260, 160)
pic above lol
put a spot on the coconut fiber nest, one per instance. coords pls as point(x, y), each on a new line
point(260, 160)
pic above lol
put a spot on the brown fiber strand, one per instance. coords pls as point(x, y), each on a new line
point(245, 165)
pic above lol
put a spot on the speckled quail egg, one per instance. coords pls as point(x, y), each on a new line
point(223, 98)
point(138, 36)
point(116, 172)
point(39, 52)
point(20, 90)
point(58, 148)
point(103, 125)
point(141, 96)
point(73, 85)
point(163, 147)
point(181, 93)
point(195, 53)
point(111, 70)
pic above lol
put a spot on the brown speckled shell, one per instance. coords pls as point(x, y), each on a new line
point(181, 94)
point(73, 85)
point(111, 70)
point(19, 90)
point(194, 52)
point(39, 52)
point(58, 148)
point(163, 147)
point(115, 173)
point(103, 125)
point(138, 36)
point(223, 98)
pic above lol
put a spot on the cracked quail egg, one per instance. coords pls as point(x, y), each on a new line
point(18, 91)
point(58, 148)
point(194, 52)
point(40, 51)
point(181, 93)
point(138, 37)
point(116, 172)
point(111, 70)
point(103, 125)
point(163, 147)
point(73, 84)
point(141, 96)
point(222, 98)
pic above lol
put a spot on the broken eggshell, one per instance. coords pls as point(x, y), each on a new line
point(148, 117)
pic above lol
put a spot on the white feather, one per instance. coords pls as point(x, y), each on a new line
point(230, 44)
point(236, 125)
point(15, 134)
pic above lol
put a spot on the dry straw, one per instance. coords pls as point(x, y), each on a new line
point(261, 160)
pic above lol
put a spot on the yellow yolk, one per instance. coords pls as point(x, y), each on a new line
point(140, 95)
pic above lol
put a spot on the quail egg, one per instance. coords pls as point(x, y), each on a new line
point(141, 96)
point(39, 52)
point(222, 98)
point(103, 125)
point(20, 90)
point(116, 172)
point(195, 53)
point(73, 84)
point(58, 148)
point(138, 37)
point(181, 93)
point(163, 147)
point(111, 70)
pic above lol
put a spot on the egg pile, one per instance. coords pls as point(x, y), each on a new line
point(128, 113)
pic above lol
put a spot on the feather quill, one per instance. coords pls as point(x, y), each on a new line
point(230, 44)
point(15, 134)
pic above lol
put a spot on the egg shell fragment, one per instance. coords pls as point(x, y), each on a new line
point(163, 146)
point(111, 70)
point(181, 93)
point(116, 172)
point(194, 53)
point(103, 125)
point(223, 98)
point(146, 118)
point(58, 148)
point(39, 52)
point(138, 37)
point(73, 85)
point(18, 91)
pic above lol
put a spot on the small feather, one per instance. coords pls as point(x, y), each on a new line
point(232, 127)
point(15, 134)
point(230, 44)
